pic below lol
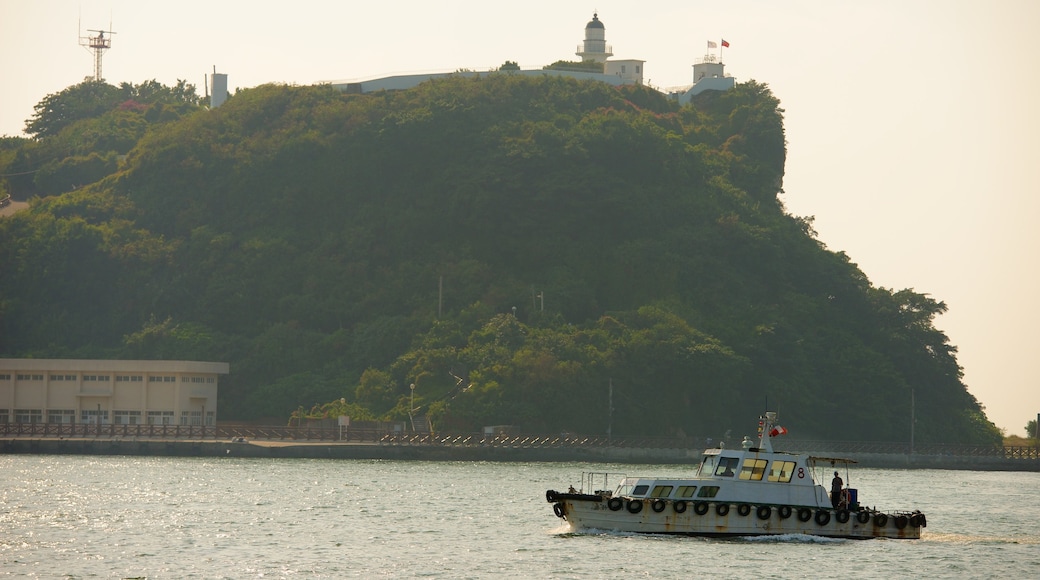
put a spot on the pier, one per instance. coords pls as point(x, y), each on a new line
point(352, 443)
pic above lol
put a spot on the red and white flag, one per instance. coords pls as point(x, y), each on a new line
point(778, 430)
point(724, 43)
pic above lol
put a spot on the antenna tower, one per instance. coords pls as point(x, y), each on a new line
point(99, 44)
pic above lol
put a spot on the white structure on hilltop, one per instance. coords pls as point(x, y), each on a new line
point(709, 74)
point(103, 392)
point(218, 83)
point(595, 47)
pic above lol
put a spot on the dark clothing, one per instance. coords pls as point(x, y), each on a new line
point(836, 485)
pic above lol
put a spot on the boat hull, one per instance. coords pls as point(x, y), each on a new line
point(720, 519)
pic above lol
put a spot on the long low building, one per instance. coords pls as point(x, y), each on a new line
point(103, 392)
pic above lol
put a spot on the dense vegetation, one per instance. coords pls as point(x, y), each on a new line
point(513, 247)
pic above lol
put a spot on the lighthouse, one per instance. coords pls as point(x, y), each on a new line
point(595, 47)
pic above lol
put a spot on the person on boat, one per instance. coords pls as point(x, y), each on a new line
point(836, 485)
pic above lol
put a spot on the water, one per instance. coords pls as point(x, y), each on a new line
point(158, 517)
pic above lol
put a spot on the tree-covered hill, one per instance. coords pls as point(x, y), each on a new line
point(514, 247)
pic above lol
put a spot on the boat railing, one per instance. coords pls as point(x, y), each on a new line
point(594, 481)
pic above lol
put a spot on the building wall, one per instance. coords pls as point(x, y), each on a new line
point(100, 391)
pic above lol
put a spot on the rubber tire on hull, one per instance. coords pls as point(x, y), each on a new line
point(842, 516)
point(784, 511)
point(721, 509)
point(918, 521)
point(880, 520)
point(615, 503)
point(764, 512)
point(700, 508)
point(901, 522)
point(863, 517)
point(635, 506)
point(559, 510)
point(658, 505)
point(823, 517)
point(743, 509)
point(550, 495)
point(679, 506)
point(804, 514)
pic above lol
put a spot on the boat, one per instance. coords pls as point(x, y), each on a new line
point(751, 491)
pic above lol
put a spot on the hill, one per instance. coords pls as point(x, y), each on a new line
point(515, 248)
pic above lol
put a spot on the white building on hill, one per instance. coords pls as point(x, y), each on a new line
point(103, 392)
point(593, 49)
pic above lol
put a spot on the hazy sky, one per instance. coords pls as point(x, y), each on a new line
point(912, 126)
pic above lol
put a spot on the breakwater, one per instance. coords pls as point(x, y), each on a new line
point(392, 449)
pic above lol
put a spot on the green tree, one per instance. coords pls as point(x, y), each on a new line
point(1031, 428)
point(83, 101)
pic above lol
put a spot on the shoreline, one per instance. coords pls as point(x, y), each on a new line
point(503, 453)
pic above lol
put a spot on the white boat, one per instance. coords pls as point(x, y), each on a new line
point(752, 491)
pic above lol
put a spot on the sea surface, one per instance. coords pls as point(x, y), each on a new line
point(159, 517)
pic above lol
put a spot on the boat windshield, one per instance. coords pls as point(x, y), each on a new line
point(707, 465)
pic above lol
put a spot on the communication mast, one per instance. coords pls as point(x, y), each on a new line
point(99, 44)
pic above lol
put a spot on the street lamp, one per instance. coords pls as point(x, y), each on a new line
point(411, 407)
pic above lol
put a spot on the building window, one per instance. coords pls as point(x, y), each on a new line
point(93, 417)
point(30, 377)
point(26, 416)
point(57, 377)
point(5, 377)
point(127, 417)
point(62, 416)
point(637, 69)
point(5, 416)
point(96, 378)
point(160, 417)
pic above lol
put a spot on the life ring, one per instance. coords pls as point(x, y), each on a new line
point(784, 511)
point(679, 506)
point(550, 495)
point(615, 504)
point(842, 516)
point(764, 512)
point(901, 522)
point(863, 517)
point(823, 517)
point(880, 520)
point(700, 508)
point(658, 505)
point(559, 510)
point(721, 509)
point(804, 514)
point(635, 506)
point(743, 509)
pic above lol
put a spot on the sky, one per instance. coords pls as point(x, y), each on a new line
point(911, 125)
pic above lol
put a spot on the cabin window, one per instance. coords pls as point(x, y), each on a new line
point(781, 471)
point(708, 491)
point(640, 490)
point(707, 466)
point(661, 491)
point(686, 491)
point(727, 466)
point(753, 469)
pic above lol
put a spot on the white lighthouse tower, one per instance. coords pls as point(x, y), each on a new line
point(595, 47)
